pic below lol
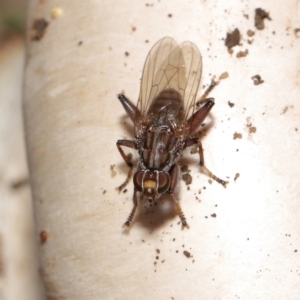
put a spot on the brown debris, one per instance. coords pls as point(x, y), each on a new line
point(113, 172)
point(257, 79)
point(187, 178)
point(250, 33)
point(38, 29)
point(43, 237)
point(242, 54)
point(260, 16)
point(187, 253)
point(237, 136)
point(237, 175)
point(184, 169)
point(233, 39)
point(224, 76)
point(297, 32)
point(230, 104)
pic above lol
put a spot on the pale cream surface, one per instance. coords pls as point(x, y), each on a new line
point(250, 248)
point(18, 255)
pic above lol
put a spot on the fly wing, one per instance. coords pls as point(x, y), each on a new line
point(193, 69)
point(171, 66)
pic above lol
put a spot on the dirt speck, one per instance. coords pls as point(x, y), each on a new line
point(230, 104)
point(157, 251)
point(242, 53)
point(113, 172)
point(187, 178)
point(285, 109)
point(252, 129)
point(232, 39)
point(224, 76)
point(187, 253)
point(38, 29)
point(43, 237)
point(184, 169)
point(257, 80)
point(170, 15)
point(213, 215)
point(297, 32)
point(260, 16)
point(127, 53)
point(250, 33)
point(237, 135)
point(237, 175)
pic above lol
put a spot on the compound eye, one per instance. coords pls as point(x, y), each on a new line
point(163, 183)
point(138, 180)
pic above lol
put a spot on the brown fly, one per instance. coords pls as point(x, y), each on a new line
point(166, 121)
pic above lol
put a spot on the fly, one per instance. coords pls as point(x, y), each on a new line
point(166, 121)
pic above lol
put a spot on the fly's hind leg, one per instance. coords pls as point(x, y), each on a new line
point(132, 213)
point(127, 159)
point(193, 141)
point(204, 98)
point(174, 173)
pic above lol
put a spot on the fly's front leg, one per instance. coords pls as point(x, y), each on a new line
point(127, 159)
point(135, 205)
point(208, 172)
point(193, 141)
point(174, 173)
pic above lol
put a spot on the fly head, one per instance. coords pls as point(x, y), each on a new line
point(151, 184)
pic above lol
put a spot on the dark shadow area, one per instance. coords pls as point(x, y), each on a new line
point(156, 216)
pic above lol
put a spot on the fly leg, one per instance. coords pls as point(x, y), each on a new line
point(174, 173)
point(127, 159)
point(193, 141)
point(204, 97)
point(208, 172)
point(131, 215)
point(195, 121)
point(129, 107)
